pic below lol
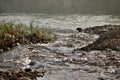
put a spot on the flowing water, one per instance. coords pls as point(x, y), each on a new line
point(58, 58)
point(62, 17)
point(61, 21)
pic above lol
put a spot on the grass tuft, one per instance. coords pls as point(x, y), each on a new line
point(11, 34)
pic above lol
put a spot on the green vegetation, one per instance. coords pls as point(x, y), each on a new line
point(11, 34)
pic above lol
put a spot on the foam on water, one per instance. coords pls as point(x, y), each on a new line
point(61, 21)
point(56, 57)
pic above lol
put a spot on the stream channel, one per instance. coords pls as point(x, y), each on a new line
point(59, 59)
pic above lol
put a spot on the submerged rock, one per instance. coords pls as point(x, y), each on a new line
point(109, 38)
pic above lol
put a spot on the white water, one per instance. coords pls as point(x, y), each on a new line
point(61, 21)
point(55, 67)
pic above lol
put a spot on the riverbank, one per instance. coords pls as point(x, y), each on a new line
point(12, 34)
point(109, 38)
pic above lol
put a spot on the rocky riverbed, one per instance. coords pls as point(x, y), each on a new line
point(109, 37)
point(64, 59)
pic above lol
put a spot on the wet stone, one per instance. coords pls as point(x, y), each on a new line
point(118, 77)
point(100, 78)
point(117, 71)
point(19, 74)
point(24, 78)
point(32, 63)
point(28, 69)
point(79, 29)
point(108, 38)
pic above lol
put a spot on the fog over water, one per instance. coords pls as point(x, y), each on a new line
point(63, 14)
point(61, 6)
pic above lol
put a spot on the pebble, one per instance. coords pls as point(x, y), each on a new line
point(117, 71)
point(28, 70)
point(32, 63)
point(79, 29)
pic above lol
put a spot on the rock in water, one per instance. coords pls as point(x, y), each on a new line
point(32, 63)
point(109, 39)
point(28, 69)
point(79, 29)
point(101, 29)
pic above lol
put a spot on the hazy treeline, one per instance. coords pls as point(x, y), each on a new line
point(61, 6)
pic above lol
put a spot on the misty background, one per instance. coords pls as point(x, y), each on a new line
point(61, 6)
